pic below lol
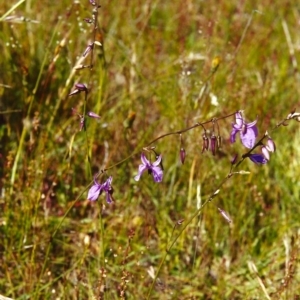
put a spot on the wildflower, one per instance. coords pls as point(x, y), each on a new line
point(153, 168)
point(258, 158)
point(248, 131)
point(97, 189)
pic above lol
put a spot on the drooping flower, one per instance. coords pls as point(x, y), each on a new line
point(248, 131)
point(97, 188)
point(153, 168)
point(258, 158)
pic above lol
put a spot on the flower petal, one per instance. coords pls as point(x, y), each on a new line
point(265, 153)
point(157, 174)
point(94, 192)
point(271, 145)
point(108, 198)
point(157, 162)
point(239, 120)
point(258, 158)
point(144, 160)
point(252, 124)
point(233, 134)
point(248, 138)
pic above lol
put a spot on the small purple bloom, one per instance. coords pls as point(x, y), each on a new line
point(96, 190)
point(248, 131)
point(258, 158)
point(153, 168)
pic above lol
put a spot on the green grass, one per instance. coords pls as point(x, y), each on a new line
point(156, 64)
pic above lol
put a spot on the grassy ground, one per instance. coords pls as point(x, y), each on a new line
point(156, 72)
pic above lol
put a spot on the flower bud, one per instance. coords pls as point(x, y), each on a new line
point(213, 144)
point(271, 145)
point(80, 87)
point(265, 152)
point(182, 155)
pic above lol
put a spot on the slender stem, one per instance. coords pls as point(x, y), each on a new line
point(209, 199)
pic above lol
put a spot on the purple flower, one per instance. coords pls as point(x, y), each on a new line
point(258, 158)
point(248, 131)
point(97, 189)
point(153, 168)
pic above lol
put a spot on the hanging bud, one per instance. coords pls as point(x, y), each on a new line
point(205, 143)
point(271, 145)
point(182, 155)
point(213, 144)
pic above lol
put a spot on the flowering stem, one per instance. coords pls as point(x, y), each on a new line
point(189, 128)
point(209, 199)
